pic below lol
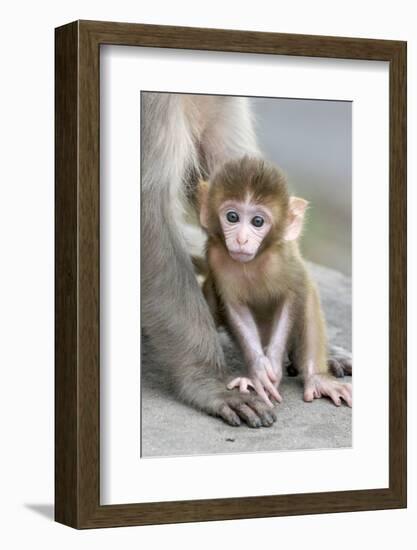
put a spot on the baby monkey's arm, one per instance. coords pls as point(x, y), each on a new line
point(312, 357)
point(278, 341)
point(261, 375)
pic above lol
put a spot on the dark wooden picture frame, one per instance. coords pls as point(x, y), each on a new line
point(77, 372)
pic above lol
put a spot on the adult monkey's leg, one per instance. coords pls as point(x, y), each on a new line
point(229, 133)
point(175, 316)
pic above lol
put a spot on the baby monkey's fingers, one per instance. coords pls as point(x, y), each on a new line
point(320, 385)
point(242, 383)
point(272, 391)
point(260, 390)
point(264, 364)
point(265, 388)
point(271, 373)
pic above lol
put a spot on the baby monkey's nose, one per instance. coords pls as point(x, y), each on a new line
point(242, 239)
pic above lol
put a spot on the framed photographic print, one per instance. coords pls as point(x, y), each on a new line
point(230, 274)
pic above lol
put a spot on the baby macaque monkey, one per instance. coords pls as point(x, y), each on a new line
point(258, 286)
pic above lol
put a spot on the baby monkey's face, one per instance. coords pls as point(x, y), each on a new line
point(244, 226)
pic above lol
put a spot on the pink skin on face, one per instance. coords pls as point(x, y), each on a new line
point(244, 225)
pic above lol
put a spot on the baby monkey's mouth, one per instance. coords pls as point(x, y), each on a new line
point(240, 256)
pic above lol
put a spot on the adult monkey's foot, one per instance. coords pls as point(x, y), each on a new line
point(340, 362)
point(235, 408)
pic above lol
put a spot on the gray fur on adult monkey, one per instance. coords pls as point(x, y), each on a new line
point(184, 138)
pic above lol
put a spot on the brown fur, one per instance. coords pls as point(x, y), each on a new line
point(276, 273)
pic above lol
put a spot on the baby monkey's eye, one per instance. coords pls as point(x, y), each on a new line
point(257, 221)
point(232, 216)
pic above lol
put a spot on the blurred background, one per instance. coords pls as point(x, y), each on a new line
point(311, 140)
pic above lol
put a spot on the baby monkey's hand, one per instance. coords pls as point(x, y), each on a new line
point(262, 379)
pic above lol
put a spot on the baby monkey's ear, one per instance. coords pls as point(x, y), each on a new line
point(296, 211)
point(202, 201)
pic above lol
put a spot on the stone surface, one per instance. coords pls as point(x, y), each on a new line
point(172, 428)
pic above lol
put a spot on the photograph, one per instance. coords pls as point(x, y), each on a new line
point(246, 264)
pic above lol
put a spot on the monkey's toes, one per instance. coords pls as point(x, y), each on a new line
point(336, 368)
point(266, 415)
point(346, 365)
point(247, 408)
point(268, 419)
point(229, 415)
point(249, 416)
point(340, 362)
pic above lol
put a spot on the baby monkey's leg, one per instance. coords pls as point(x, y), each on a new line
point(261, 375)
point(312, 347)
